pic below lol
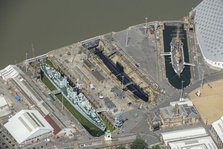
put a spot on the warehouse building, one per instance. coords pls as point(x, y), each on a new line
point(194, 138)
point(28, 126)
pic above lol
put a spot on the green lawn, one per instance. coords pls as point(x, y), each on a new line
point(92, 129)
point(47, 82)
point(49, 63)
point(107, 123)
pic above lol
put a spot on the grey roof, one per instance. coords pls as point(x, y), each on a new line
point(167, 112)
point(191, 111)
point(108, 103)
point(154, 116)
point(88, 64)
point(118, 92)
point(209, 29)
point(184, 110)
point(98, 75)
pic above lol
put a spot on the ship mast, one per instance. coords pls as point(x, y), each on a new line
point(178, 33)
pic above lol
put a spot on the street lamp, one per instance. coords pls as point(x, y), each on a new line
point(181, 95)
point(122, 85)
point(202, 80)
point(127, 37)
point(26, 62)
point(62, 102)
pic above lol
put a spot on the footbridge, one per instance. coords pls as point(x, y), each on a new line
point(189, 64)
point(55, 92)
point(166, 53)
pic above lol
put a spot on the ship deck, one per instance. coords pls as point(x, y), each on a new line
point(178, 64)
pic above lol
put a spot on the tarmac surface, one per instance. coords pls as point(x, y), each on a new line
point(145, 49)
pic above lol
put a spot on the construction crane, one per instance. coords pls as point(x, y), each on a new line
point(34, 63)
point(26, 62)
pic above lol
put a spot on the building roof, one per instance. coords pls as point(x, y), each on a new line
point(195, 143)
point(183, 134)
point(117, 91)
point(8, 72)
point(170, 111)
point(4, 108)
point(17, 98)
point(178, 108)
point(109, 104)
point(154, 116)
point(56, 128)
point(185, 101)
point(88, 64)
point(27, 124)
point(209, 29)
point(2, 101)
point(98, 75)
point(218, 127)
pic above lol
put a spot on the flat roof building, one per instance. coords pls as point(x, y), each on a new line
point(195, 143)
point(194, 138)
point(217, 131)
point(27, 126)
point(183, 134)
point(209, 31)
point(8, 72)
point(4, 108)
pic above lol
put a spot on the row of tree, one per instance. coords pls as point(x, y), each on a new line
point(138, 144)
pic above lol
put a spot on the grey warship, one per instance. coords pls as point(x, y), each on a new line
point(177, 53)
point(77, 100)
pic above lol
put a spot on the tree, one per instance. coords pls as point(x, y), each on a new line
point(120, 147)
point(155, 147)
point(139, 144)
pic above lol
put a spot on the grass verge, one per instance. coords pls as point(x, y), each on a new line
point(109, 126)
point(50, 63)
point(92, 129)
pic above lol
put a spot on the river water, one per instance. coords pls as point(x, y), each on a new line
point(50, 24)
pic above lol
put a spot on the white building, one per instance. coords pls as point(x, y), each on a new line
point(182, 101)
point(27, 126)
point(194, 138)
point(217, 131)
point(8, 72)
point(195, 143)
point(4, 108)
point(209, 31)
